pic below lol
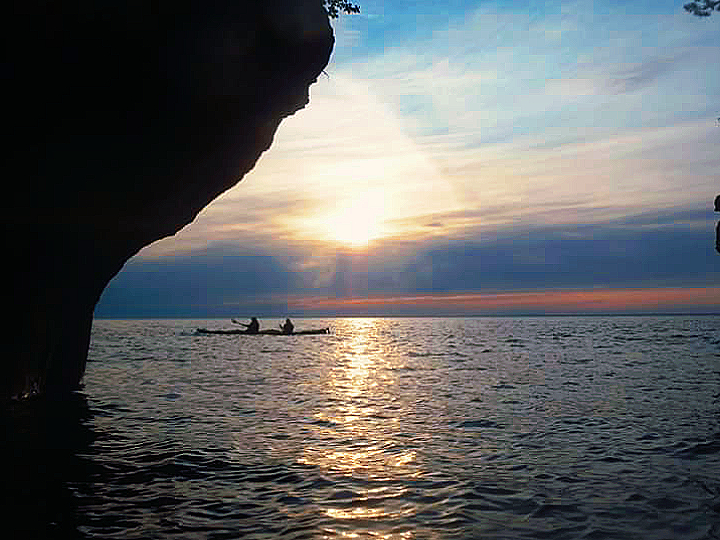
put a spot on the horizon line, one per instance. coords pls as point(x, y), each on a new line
point(553, 302)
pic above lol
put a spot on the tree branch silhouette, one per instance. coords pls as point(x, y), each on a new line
point(334, 7)
point(703, 8)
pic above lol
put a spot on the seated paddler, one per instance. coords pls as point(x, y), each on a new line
point(253, 327)
point(287, 327)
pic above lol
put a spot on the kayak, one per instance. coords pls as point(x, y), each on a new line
point(271, 332)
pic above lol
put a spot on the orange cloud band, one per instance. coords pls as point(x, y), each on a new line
point(593, 300)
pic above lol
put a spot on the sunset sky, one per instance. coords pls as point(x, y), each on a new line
point(469, 158)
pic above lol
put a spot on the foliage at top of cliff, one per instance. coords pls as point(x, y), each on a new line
point(334, 7)
point(703, 8)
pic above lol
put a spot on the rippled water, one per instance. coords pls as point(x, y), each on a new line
point(389, 429)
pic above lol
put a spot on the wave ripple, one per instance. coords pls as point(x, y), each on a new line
point(546, 429)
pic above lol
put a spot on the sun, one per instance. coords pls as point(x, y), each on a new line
point(353, 221)
point(357, 223)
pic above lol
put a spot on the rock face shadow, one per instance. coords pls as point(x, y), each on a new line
point(128, 120)
point(42, 460)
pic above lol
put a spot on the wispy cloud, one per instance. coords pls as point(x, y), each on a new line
point(497, 74)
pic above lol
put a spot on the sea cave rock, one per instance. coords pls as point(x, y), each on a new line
point(123, 120)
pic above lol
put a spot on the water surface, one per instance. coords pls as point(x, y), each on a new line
point(448, 428)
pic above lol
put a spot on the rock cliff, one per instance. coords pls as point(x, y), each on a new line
point(122, 121)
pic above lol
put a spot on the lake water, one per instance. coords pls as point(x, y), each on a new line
point(447, 428)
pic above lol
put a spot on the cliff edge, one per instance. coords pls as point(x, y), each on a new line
point(123, 120)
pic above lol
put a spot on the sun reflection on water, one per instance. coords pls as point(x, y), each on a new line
point(404, 535)
point(360, 449)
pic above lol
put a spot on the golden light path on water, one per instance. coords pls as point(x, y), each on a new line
point(364, 448)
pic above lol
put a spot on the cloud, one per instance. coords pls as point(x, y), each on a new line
point(216, 282)
point(236, 220)
point(673, 249)
point(570, 146)
point(496, 73)
point(652, 249)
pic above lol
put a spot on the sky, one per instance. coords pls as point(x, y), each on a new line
point(470, 158)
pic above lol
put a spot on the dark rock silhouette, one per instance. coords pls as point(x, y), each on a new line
point(122, 121)
point(717, 227)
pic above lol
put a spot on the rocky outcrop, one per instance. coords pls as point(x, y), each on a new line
point(124, 120)
point(717, 227)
